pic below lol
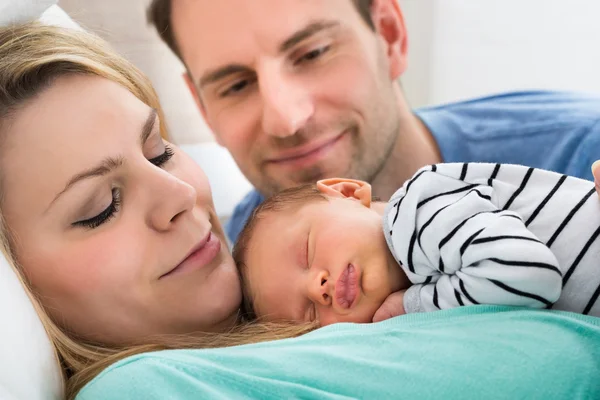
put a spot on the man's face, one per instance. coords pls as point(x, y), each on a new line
point(296, 90)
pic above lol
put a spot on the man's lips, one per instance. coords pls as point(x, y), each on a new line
point(346, 287)
point(199, 256)
point(305, 151)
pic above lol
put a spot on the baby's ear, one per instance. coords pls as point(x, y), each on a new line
point(346, 188)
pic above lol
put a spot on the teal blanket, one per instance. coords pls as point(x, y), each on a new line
point(477, 352)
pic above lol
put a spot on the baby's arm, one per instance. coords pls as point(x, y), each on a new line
point(458, 248)
point(392, 306)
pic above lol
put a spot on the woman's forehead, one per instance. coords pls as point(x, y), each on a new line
point(72, 125)
point(76, 107)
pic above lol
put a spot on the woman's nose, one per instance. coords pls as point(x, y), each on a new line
point(320, 288)
point(172, 198)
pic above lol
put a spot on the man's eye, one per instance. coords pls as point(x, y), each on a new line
point(236, 88)
point(313, 55)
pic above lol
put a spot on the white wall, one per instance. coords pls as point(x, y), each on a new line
point(419, 19)
point(484, 46)
point(123, 24)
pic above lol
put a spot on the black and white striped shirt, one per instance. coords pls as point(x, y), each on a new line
point(496, 234)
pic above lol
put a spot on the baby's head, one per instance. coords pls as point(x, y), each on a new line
point(317, 253)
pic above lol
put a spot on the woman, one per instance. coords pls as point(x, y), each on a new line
point(113, 222)
point(114, 231)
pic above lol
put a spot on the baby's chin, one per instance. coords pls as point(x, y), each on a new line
point(359, 316)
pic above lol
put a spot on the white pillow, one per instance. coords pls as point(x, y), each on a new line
point(227, 182)
point(28, 367)
point(13, 11)
point(56, 16)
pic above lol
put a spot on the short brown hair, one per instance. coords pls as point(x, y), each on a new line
point(159, 15)
point(284, 200)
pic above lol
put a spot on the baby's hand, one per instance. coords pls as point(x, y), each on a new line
point(392, 306)
point(596, 172)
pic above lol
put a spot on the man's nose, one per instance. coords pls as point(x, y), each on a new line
point(320, 288)
point(287, 104)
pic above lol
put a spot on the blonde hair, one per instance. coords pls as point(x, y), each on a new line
point(32, 56)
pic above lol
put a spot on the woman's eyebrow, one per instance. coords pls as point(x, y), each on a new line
point(107, 165)
point(110, 163)
point(148, 126)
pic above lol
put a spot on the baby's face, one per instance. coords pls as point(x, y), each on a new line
point(326, 261)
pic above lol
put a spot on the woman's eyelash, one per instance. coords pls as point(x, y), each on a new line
point(105, 215)
point(115, 204)
point(163, 158)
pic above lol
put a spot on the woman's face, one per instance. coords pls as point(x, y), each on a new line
point(104, 216)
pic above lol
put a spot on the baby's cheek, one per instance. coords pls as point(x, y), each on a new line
point(369, 310)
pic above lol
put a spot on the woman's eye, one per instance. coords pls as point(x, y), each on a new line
point(105, 215)
point(313, 54)
point(163, 158)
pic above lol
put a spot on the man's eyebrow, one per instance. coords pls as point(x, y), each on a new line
point(217, 74)
point(306, 32)
point(220, 73)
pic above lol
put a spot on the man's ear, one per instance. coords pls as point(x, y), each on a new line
point(346, 188)
point(389, 23)
point(189, 81)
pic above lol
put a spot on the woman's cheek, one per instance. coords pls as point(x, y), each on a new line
point(112, 258)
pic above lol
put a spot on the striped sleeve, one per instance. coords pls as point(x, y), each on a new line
point(458, 247)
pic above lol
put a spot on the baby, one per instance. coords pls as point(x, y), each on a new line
point(453, 235)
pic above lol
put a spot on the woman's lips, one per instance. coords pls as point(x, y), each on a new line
point(346, 287)
point(200, 256)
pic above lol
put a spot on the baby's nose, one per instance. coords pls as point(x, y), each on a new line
point(320, 290)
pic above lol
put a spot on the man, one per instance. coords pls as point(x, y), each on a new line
point(300, 90)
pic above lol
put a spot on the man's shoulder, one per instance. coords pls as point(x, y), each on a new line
point(514, 112)
point(544, 101)
point(546, 129)
point(241, 213)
